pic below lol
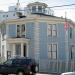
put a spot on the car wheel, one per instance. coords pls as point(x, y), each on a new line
point(20, 73)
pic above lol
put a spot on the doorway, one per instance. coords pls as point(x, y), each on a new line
point(24, 50)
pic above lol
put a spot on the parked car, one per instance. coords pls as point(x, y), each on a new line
point(19, 66)
point(68, 73)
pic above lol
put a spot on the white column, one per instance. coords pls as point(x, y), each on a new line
point(22, 49)
point(14, 52)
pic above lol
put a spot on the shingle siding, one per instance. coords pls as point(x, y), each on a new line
point(30, 35)
point(11, 32)
point(43, 40)
point(61, 42)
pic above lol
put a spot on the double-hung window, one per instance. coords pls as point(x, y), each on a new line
point(39, 9)
point(21, 30)
point(33, 9)
point(52, 51)
point(52, 30)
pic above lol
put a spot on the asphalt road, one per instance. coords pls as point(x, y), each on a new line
point(42, 74)
point(36, 74)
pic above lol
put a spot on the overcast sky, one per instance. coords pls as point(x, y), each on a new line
point(70, 10)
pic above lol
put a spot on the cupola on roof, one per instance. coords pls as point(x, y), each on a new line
point(37, 3)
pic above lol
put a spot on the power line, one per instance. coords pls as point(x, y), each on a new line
point(62, 5)
point(56, 6)
point(63, 8)
point(49, 7)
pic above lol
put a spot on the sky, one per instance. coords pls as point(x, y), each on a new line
point(58, 11)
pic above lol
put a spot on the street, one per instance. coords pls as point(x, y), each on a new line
point(36, 74)
point(42, 74)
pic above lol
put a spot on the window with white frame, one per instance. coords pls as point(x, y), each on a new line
point(52, 30)
point(49, 29)
point(33, 9)
point(21, 30)
point(52, 51)
point(18, 31)
point(39, 8)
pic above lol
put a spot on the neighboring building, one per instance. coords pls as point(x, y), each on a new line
point(10, 14)
point(42, 36)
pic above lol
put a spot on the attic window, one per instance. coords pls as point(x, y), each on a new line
point(6, 15)
point(14, 14)
point(34, 9)
point(15, 8)
point(39, 8)
point(3, 15)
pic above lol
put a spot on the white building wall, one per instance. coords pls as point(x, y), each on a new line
point(10, 14)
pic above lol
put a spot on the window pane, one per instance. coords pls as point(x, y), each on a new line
point(54, 47)
point(23, 27)
point(39, 8)
point(18, 30)
point(54, 33)
point(53, 27)
point(34, 9)
point(49, 26)
point(49, 54)
point(49, 48)
point(23, 30)
point(54, 55)
point(49, 30)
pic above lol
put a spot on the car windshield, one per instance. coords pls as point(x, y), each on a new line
point(8, 62)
